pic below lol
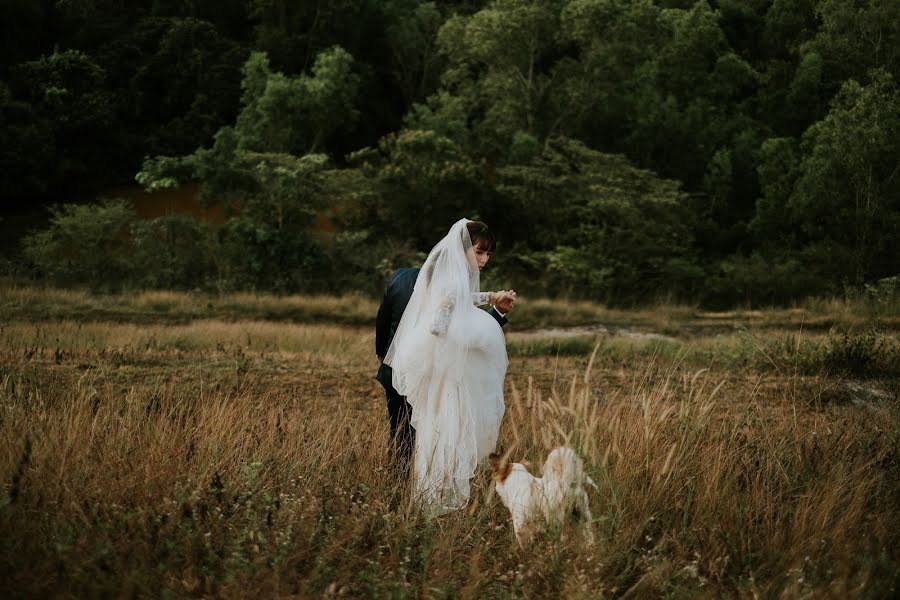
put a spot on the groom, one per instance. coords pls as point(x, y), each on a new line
point(396, 297)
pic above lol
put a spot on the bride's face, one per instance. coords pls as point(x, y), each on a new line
point(478, 256)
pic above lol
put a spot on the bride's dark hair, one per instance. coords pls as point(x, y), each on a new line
point(481, 236)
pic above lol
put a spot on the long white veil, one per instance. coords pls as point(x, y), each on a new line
point(428, 355)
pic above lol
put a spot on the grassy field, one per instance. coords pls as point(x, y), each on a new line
point(178, 445)
point(41, 304)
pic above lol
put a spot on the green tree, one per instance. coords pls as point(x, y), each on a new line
point(614, 38)
point(27, 148)
point(257, 255)
point(268, 155)
point(228, 16)
point(183, 84)
point(683, 101)
point(816, 46)
point(24, 30)
point(411, 29)
point(507, 74)
point(778, 172)
point(422, 182)
point(269, 193)
point(847, 194)
point(854, 37)
point(270, 199)
point(172, 252)
point(599, 227)
point(83, 244)
point(788, 25)
point(296, 114)
point(68, 95)
point(293, 34)
point(668, 90)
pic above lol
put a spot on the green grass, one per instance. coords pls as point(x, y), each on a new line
point(870, 353)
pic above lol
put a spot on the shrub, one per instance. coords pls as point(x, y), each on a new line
point(361, 264)
point(85, 243)
point(884, 293)
point(260, 256)
point(758, 280)
point(171, 252)
point(870, 353)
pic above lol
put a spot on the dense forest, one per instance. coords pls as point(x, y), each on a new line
point(627, 151)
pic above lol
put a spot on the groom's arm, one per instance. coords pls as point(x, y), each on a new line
point(501, 318)
point(503, 303)
point(383, 322)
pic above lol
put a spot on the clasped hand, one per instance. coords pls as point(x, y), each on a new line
point(504, 300)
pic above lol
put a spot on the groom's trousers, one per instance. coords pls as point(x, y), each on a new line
point(402, 432)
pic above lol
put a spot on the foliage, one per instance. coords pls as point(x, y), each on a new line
point(848, 192)
point(296, 114)
point(390, 119)
point(834, 194)
point(631, 236)
point(269, 194)
point(261, 256)
point(172, 252)
point(870, 353)
point(411, 31)
point(70, 110)
point(83, 244)
point(26, 147)
point(505, 70)
point(884, 293)
point(360, 261)
point(183, 80)
point(105, 246)
point(422, 181)
point(761, 280)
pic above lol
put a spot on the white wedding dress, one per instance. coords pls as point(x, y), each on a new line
point(449, 360)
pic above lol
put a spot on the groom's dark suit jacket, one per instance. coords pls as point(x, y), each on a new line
point(396, 297)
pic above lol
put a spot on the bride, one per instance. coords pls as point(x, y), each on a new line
point(449, 360)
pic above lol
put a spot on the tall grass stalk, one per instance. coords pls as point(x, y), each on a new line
point(254, 486)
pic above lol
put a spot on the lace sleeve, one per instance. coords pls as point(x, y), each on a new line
point(441, 320)
point(481, 298)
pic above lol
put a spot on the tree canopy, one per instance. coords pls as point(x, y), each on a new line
point(717, 151)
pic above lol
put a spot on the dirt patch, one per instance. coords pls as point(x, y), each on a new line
point(587, 330)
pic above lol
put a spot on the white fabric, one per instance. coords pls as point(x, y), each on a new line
point(449, 360)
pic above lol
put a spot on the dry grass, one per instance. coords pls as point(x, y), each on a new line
point(28, 303)
point(248, 458)
point(42, 304)
point(200, 336)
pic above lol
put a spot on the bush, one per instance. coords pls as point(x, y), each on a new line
point(757, 280)
point(870, 353)
point(884, 293)
point(172, 252)
point(259, 256)
point(607, 230)
point(361, 264)
point(85, 243)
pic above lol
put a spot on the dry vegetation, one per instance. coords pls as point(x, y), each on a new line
point(18, 302)
point(205, 454)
